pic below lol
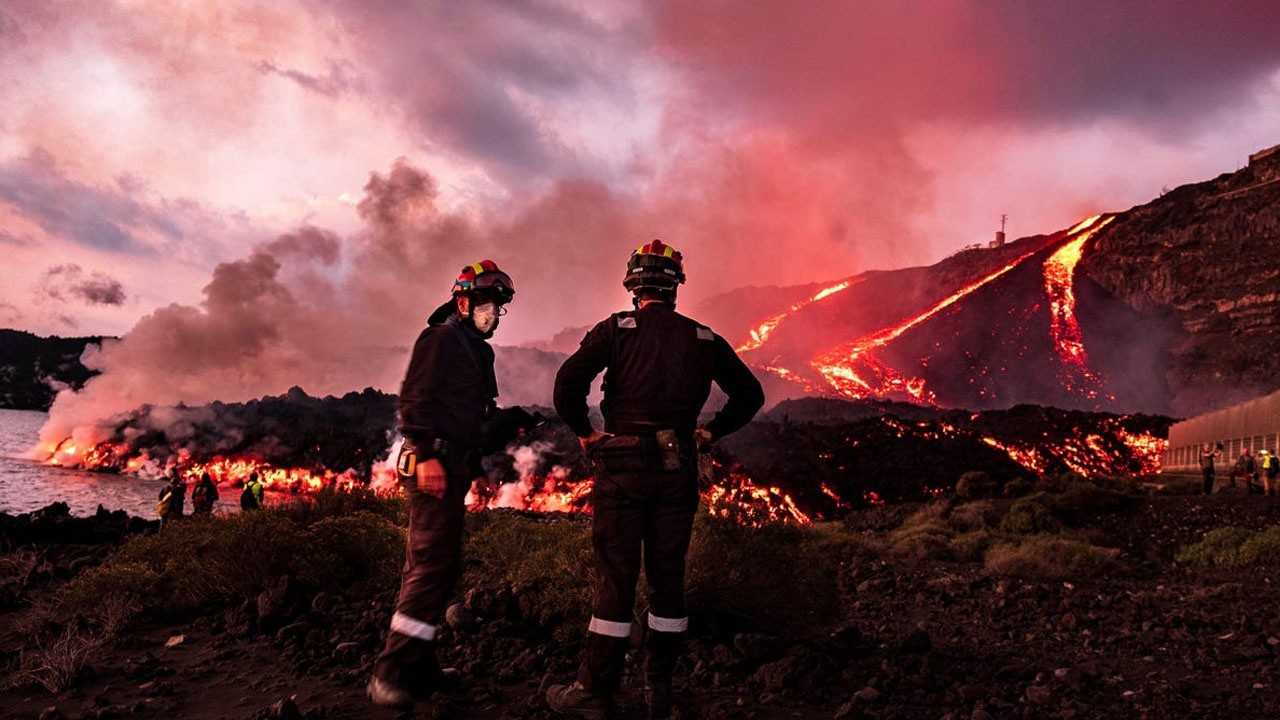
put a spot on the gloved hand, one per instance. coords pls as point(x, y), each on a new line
point(431, 478)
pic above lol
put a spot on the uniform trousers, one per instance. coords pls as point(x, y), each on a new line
point(639, 517)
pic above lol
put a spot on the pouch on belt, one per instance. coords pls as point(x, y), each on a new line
point(622, 453)
point(668, 449)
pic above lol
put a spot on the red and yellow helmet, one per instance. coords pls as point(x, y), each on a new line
point(654, 265)
point(485, 279)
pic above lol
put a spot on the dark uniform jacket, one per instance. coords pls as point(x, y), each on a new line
point(448, 390)
point(660, 368)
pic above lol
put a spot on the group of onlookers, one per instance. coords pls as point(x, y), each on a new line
point(171, 505)
point(1258, 475)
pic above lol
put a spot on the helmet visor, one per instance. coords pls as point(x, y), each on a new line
point(494, 284)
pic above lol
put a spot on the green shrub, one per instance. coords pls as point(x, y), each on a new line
point(1084, 499)
point(204, 560)
point(974, 516)
point(1030, 515)
point(970, 546)
point(552, 559)
point(1050, 558)
point(1221, 547)
point(1263, 548)
point(977, 484)
point(369, 546)
point(779, 577)
point(924, 535)
point(329, 502)
point(1018, 487)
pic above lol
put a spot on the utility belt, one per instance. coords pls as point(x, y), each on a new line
point(662, 450)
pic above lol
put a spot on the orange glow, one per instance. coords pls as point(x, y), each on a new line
point(1059, 286)
point(854, 371)
point(760, 333)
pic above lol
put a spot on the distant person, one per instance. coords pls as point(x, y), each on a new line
point(1270, 469)
point(447, 395)
point(173, 497)
point(251, 495)
point(1245, 468)
point(658, 369)
point(1207, 453)
point(204, 496)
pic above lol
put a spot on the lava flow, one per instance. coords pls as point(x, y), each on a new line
point(1059, 286)
point(761, 332)
point(855, 372)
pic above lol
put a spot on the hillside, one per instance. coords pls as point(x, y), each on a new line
point(33, 368)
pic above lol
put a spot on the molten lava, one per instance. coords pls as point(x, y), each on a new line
point(760, 333)
point(1059, 286)
point(854, 371)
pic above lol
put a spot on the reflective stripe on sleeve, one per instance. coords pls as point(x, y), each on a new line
point(609, 628)
point(671, 625)
point(406, 625)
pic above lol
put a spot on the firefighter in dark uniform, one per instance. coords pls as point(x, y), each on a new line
point(659, 366)
point(447, 394)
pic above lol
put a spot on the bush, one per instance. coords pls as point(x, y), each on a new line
point(738, 571)
point(1050, 558)
point(1030, 515)
point(1084, 499)
point(370, 548)
point(551, 558)
point(924, 535)
point(976, 484)
point(1263, 548)
point(56, 664)
point(1018, 487)
point(329, 503)
point(970, 546)
point(1228, 547)
point(16, 569)
point(974, 516)
point(204, 560)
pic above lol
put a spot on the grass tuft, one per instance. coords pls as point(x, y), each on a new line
point(1048, 557)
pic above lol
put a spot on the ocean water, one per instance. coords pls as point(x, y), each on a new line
point(26, 485)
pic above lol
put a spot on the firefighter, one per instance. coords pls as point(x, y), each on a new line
point(447, 394)
point(659, 366)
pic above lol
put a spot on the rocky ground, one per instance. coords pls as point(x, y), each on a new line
point(918, 638)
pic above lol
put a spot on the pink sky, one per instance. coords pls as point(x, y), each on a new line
point(199, 165)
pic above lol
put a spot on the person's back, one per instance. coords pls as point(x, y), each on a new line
point(658, 368)
point(251, 494)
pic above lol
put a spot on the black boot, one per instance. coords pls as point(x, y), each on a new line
point(661, 651)
point(574, 699)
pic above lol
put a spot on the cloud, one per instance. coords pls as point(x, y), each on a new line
point(69, 282)
point(105, 218)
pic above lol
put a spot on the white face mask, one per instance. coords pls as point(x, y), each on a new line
point(485, 317)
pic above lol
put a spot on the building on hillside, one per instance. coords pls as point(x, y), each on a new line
point(1252, 426)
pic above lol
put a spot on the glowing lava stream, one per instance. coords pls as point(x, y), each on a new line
point(1059, 286)
point(760, 333)
point(838, 366)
